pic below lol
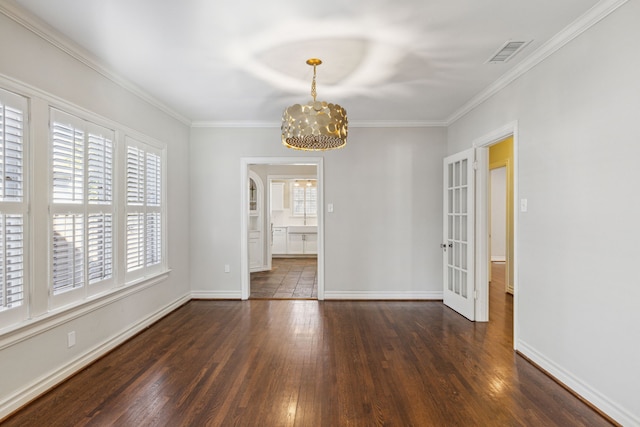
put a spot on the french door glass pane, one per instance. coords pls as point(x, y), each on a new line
point(457, 258)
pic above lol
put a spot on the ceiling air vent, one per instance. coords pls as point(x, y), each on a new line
point(507, 51)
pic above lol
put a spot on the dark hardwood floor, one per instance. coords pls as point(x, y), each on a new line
point(310, 363)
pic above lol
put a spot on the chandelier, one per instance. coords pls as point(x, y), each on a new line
point(316, 126)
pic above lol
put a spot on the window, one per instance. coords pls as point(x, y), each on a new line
point(96, 194)
point(144, 209)
point(82, 211)
point(13, 204)
point(304, 197)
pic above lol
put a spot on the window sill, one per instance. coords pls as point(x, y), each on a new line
point(29, 328)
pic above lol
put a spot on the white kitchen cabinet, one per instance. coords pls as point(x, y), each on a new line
point(311, 243)
point(302, 243)
point(279, 241)
point(277, 196)
point(255, 249)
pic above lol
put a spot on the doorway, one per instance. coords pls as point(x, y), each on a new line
point(299, 274)
point(483, 146)
point(292, 210)
point(501, 210)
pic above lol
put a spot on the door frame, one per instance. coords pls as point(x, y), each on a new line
point(481, 146)
point(245, 277)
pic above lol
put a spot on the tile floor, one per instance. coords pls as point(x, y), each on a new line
point(289, 278)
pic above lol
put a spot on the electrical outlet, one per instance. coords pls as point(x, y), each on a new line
point(71, 339)
point(227, 269)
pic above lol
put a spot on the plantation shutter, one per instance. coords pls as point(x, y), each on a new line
point(153, 238)
point(82, 211)
point(12, 203)
point(68, 252)
point(11, 261)
point(135, 241)
point(100, 169)
point(298, 201)
point(311, 201)
point(153, 189)
point(11, 154)
point(68, 159)
point(100, 247)
point(305, 200)
point(144, 208)
point(135, 176)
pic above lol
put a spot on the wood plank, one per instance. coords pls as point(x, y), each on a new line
point(310, 363)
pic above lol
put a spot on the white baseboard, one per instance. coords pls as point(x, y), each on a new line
point(498, 258)
point(46, 382)
point(597, 399)
point(216, 295)
point(382, 295)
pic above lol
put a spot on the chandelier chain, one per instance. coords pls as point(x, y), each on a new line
point(313, 85)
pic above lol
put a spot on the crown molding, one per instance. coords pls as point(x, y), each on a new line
point(43, 30)
point(397, 123)
point(594, 15)
point(354, 124)
point(234, 124)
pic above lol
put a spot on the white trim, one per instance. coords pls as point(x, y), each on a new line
point(481, 145)
point(356, 124)
point(216, 295)
point(498, 258)
point(594, 15)
point(55, 38)
point(66, 45)
point(46, 382)
point(23, 89)
point(244, 216)
point(384, 295)
point(481, 231)
point(260, 202)
point(30, 328)
point(576, 385)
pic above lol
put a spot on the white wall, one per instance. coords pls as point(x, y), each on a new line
point(382, 238)
point(577, 288)
point(40, 359)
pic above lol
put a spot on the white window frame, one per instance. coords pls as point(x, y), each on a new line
point(16, 314)
point(82, 207)
point(139, 241)
point(293, 204)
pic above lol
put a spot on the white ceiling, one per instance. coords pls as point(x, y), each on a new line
point(243, 61)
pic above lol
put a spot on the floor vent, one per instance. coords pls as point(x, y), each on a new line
point(507, 51)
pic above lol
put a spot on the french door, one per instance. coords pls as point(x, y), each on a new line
point(458, 235)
